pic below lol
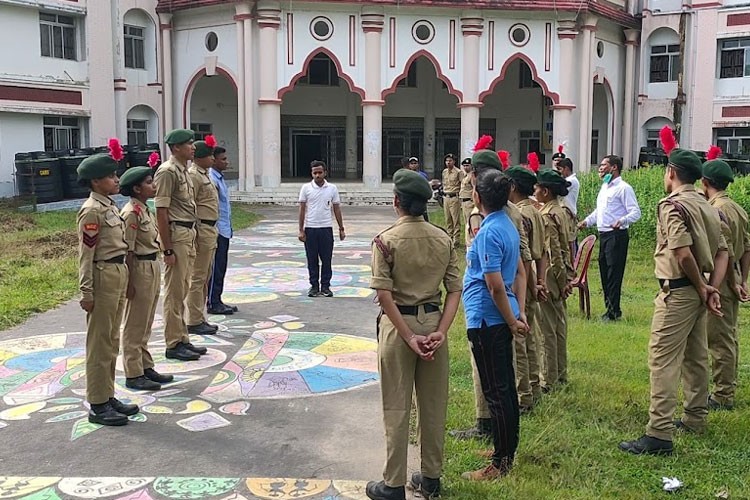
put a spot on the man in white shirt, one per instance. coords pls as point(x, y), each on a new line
point(316, 201)
point(565, 167)
point(616, 210)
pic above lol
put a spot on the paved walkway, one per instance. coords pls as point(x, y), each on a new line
point(288, 389)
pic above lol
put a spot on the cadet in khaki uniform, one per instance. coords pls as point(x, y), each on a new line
point(452, 177)
point(176, 218)
point(688, 244)
point(553, 318)
point(207, 207)
point(722, 331)
point(103, 278)
point(529, 351)
point(410, 260)
point(467, 204)
point(144, 281)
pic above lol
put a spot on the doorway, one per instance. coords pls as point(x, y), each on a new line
point(308, 147)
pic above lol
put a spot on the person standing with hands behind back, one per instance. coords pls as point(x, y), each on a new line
point(410, 260)
point(316, 200)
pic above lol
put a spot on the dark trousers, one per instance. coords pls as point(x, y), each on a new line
point(492, 347)
point(319, 250)
point(216, 283)
point(613, 253)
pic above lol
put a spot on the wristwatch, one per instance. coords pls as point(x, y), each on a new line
point(168, 252)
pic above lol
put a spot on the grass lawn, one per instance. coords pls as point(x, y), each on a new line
point(38, 260)
point(568, 447)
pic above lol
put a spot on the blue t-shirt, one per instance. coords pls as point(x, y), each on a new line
point(496, 247)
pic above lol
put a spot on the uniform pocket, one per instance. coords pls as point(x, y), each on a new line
point(113, 220)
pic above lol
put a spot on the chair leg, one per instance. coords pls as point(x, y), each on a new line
point(588, 300)
point(581, 303)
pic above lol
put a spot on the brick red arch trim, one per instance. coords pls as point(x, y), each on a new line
point(534, 74)
point(339, 69)
point(188, 96)
point(441, 76)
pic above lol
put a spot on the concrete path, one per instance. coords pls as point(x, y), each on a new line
point(289, 389)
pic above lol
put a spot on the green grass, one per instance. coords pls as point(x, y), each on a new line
point(568, 447)
point(39, 260)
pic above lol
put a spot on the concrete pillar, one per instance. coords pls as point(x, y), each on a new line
point(586, 82)
point(120, 83)
point(351, 136)
point(251, 106)
point(564, 131)
point(372, 105)
point(628, 152)
point(472, 26)
point(165, 25)
point(429, 161)
point(269, 103)
point(241, 11)
point(103, 118)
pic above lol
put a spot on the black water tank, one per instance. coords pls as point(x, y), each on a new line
point(38, 173)
point(69, 161)
point(123, 163)
point(139, 156)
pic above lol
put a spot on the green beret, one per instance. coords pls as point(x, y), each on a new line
point(522, 176)
point(97, 166)
point(411, 183)
point(486, 157)
point(134, 176)
point(179, 136)
point(686, 161)
point(202, 150)
point(718, 171)
point(549, 177)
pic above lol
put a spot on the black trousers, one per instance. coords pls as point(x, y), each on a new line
point(613, 253)
point(492, 348)
point(319, 250)
point(216, 283)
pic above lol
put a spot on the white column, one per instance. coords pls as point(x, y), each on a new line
point(631, 42)
point(564, 132)
point(429, 161)
point(372, 105)
point(165, 25)
point(101, 92)
point(472, 26)
point(351, 136)
point(120, 83)
point(586, 93)
point(269, 103)
point(251, 107)
point(241, 11)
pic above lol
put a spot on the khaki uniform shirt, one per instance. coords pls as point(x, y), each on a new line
point(141, 231)
point(571, 221)
point(174, 190)
point(101, 236)
point(206, 194)
point(534, 225)
point(557, 241)
point(701, 231)
point(419, 257)
point(452, 180)
point(466, 187)
point(737, 220)
point(515, 216)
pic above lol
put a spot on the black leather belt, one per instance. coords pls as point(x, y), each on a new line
point(208, 222)
point(675, 284)
point(150, 256)
point(465, 199)
point(120, 259)
point(450, 195)
point(188, 225)
point(414, 310)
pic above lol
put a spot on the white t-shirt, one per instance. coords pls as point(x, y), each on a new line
point(319, 203)
point(571, 200)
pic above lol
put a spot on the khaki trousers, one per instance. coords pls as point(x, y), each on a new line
point(402, 372)
point(452, 209)
point(205, 249)
point(139, 316)
point(176, 283)
point(678, 346)
point(723, 346)
point(103, 331)
point(553, 326)
point(527, 360)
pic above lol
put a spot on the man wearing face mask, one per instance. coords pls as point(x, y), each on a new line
point(616, 210)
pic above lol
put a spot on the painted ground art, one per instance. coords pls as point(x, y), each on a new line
point(182, 488)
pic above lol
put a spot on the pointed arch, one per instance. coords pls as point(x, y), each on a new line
point(441, 76)
point(554, 96)
point(339, 70)
point(194, 81)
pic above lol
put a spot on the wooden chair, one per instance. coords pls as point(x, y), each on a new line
point(581, 266)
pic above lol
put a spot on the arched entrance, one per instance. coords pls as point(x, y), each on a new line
point(602, 123)
point(321, 119)
point(143, 126)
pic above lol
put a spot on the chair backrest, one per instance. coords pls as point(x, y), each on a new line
point(583, 258)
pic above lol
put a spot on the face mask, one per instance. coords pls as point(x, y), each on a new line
point(607, 179)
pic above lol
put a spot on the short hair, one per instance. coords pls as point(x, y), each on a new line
point(565, 162)
point(218, 150)
point(614, 161)
point(412, 205)
point(683, 175)
point(493, 188)
point(523, 188)
point(404, 162)
point(318, 163)
point(719, 186)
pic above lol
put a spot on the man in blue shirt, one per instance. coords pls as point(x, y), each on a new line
point(224, 225)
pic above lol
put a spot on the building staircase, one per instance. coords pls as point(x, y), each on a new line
point(288, 193)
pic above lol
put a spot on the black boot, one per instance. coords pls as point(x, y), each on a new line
point(380, 491)
point(181, 352)
point(647, 445)
point(194, 348)
point(429, 488)
point(482, 430)
point(202, 329)
point(152, 374)
point(104, 414)
point(142, 384)
point(123, 408)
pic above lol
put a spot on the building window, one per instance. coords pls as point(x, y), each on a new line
point(201, 130)
point(594, 147)
point(529, 141)
point(58, 36)
point(137, 132)
point(61, 132)
point(652, 139)
point(734, 61)
point(322, 71)
point(665, 60)
point(212, 41)
point(519, 34)
point(321, 28)
point(134, 47)
point(411, 77)
point(525, 78)
point(733, 140)
point(423, 32)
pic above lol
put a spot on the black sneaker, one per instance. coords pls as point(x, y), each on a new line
point(647, 445)
point(220, 309)
point(716, 405)
point(326, 292)
point(380, 491)
point(196, 349)
point(155, 376)
point(123, 408)
point(142, 384)
point(429, 488)
point(104, 414)
point(181, 353)
point(313, 292)
point(679, 425)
